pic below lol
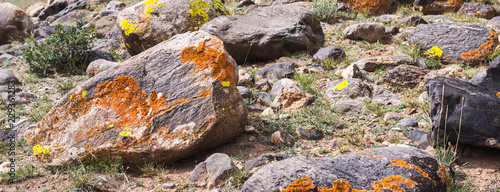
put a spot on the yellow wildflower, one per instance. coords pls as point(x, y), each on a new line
point(71, 97)
point(127, 45)
point(111, 126)
point(123, 133)
point(341, 85)
point(127, 27)
point(37, 149)
point(435, 51)
point(84, 93)
point(226, 83)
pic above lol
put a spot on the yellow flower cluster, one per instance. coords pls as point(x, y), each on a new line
point(435, 51)
point(226, 83)
point(149, 4)
point(199, 8)
point(124, 132)
point(128, 27)
point(220, 6)
point(37, 149)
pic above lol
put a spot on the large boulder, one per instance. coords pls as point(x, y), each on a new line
point(267, 32)
point(370, 6)
point(478, 10)
point(471, 108)
point(14, 23)
point(434, 7)
point(381, 169)
point(148, 23)
point(454, 39)
point(162, 105)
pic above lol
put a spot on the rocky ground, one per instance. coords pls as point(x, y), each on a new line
point(342, 86)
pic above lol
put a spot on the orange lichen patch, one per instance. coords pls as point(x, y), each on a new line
point(401, 163)
point(369, 6)
point(498, 95)
point(204, 93)
point(300, 185)
point(20, 12)
point(207, 57)
point(393, 183)
point(369, 155)
point(442, 174)
point(484, 49)
point(452, 5)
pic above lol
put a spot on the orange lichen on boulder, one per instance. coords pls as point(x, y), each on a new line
point(204, 93)
point(394, 183)
point(369, 6)
point(300, 185)
point(369, 155)
point(451, 5)
point(213, 57)
point(484, 49)
point(401, 163)
point(498, 95)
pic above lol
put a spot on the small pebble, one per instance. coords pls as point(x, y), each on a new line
point(168, 185)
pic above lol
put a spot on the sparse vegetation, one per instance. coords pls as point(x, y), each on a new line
point(326, 10)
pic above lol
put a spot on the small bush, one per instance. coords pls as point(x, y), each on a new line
point(326, 10)
point(64, 52)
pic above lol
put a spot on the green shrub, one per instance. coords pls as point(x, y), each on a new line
point(64, 52)
point(326, 10)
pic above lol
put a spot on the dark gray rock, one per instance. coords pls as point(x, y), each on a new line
point(478, 77)
point(245, 92)
point(53, 8)
point(275, 72)
point(20, 98)
point(44, 31)
point(96, 55)
point(74, 6)
point(455, 42)
point(105, 44)
point(371, 32)
point(7, 136)
point(405, 76)
point(389, 62)
point(408, 122)
point(478, 114)
point(413, 20)
point(72, 17)
point(361, 170)
point(254, 164)
point(355, 88)
point(264, 99)
point(349, 105)
point(419, 137)
point(330, 52)
point(267, 32)
point(478, 10)
point(309, 134)
point(7, 76)
point(215, 168)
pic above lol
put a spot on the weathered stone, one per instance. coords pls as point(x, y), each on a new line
point(263, 85)
point(408, 122)
point(115, 5)
point(391, 30)
point(275, 72)
point(72, 17)
point(388, 19)
point(309, 134)
point(478, 77)
point(215, 168)
point(494, 23)
point(43, 31)
point(35, 9)
point(143, 26)
point(268, 112)
point(6, 77)
point(77, 5)
point(348, 105)
point(98, 66)
point(330, 52)
point(105, 24)
point(371, 32)
point(434, 7)
point(413, 20)
point(472, 108)
point(245, 79)
point(245, 92)
point(107, 183)
point(316, 68)
point(348, 88)
point(52, 8)
point(282, 137)
point(478, 10)
point(371, 169)
point(389, 62)
point(418, 137)
point(391, 116)
point(244, 3)
point(352, 71)
point(385, 97)
point(15, 24)
point(267, 32)
point(405, 76)
point(94, 55)
point(160, 106)
point(449, 71)
point(455, 42)
point(370, 6)
point(279, 85)
point(105, 44)
point(293, 98)
point(19, 98)
point(256, 163)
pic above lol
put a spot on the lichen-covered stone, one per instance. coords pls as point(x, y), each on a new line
point(267, 32)
point(405, 76)
point(350, 88)
point(370, 6)
point(148, 23)
point(478, 10)
point(380, 169)
point(434, 7)
point(471, 106)
point(162, 105)
point(454, 39)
